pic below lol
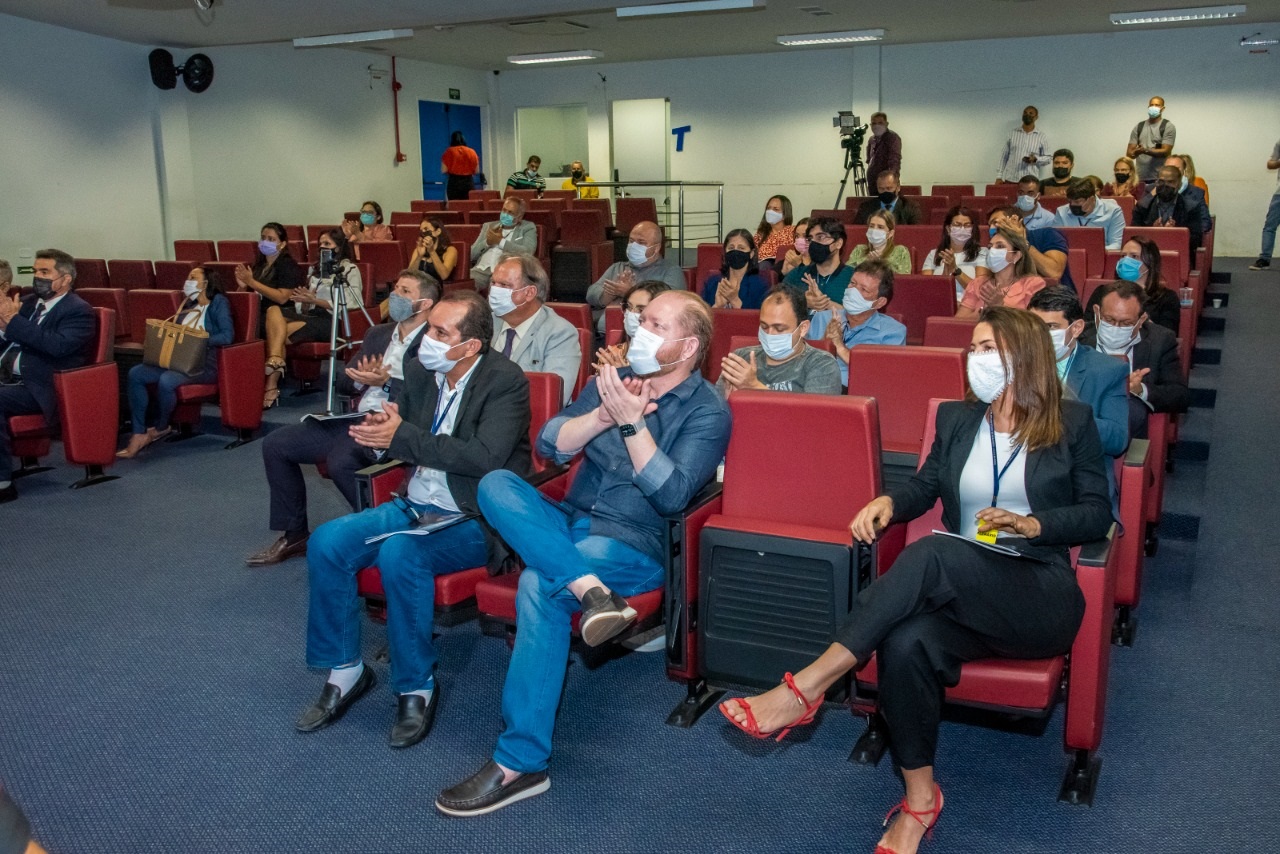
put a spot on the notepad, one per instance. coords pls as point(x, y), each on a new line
point(994, 547)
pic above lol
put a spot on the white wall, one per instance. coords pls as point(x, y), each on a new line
point(954, 105)
point(556, 134)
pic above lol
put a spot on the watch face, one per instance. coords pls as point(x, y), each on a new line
point(627, 430)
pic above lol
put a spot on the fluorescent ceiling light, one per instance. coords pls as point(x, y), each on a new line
point(560, 56)
point(832, 38)
point(1256, 40)
point(687, 7)
point(353, 38)
point(1172, 16)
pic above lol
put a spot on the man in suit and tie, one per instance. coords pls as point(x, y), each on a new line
point(1086, 374)
point(1149, 352)
point(49, 331)
point(510, 234)
point(527, 331)
point(464, 413)
point(376, 375)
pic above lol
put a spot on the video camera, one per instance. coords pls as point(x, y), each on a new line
point(328, 263)
point(852, 130)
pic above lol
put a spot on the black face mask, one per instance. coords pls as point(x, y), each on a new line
point(887, 198)
point(1061, 172)
point(42, 287)
point(819, 253)
point(1122, 177)
point(737, 259)
point(1163, 193)
point(1027, 118)
point(1077, 210)
point(577, 174)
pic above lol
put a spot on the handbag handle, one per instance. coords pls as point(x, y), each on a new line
point(193, 323)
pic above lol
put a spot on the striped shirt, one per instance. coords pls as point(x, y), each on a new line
point(1021, 144)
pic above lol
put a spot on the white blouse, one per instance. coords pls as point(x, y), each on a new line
point(976, 480)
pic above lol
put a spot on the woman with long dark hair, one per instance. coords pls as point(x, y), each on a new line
point(959, 254)
point(434, 253)
point(739, 283)
point(774, 231)
point(1140, 263)
point(1014, 465)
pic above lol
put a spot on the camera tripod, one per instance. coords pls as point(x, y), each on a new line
point(852, 165)
point(338, 300)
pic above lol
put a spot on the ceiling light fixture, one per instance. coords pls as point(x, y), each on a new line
point(688, 7)
point(353, 38)
point(1256, 40)
point(559, 56)
point(831, 38)
point(1173, 16)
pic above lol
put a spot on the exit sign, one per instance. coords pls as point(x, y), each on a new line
point(455, 94)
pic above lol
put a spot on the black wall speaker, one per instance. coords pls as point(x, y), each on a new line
point(197, 73)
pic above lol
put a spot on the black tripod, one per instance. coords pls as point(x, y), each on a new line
point(852, 164)
point(338, 301)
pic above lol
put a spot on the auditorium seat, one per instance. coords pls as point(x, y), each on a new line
point(613, 321)
point(465, 205)
point(949, 332)
point(953, 193)
point(920, 239)
point(726, 323)
point(172, 275)
point(420, 206)
point(92, 273)
point(583, 254)
point(577, 313)
point(548, 223)
point(527, 195)
point(737, 342)
point(88, 413)
point(386, 259)
point(1126, 204)
point(1134, 478)
point(1029, 688)
point(710, 258)
point(240, 251)
point(1172, 239)
point(455, 593)
point(845, 215)
point(983, 205)
point(917, 298)
point(405, 218)
point(601, 205)
point(131, 275)
point(903, 380)
point(149, 304)
point(779, 569)
point(629, 211)
point(314, 232)
point(555, 195)
point(1007, 191)
point(194, 251)
point(547, 204)
point(1090, 238)
point(114, 299)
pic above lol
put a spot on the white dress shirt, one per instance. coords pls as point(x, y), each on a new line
point(430, 486)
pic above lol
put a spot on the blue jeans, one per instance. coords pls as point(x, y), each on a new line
point(166, 383)
point(555, 553)
point(1269, 227)
point(409, 565)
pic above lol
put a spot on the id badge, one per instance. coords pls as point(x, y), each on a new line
point(988, 537)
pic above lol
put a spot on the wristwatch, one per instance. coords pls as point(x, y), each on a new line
point(629, 430)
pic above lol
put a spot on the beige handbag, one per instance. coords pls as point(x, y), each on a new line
point(176, 346)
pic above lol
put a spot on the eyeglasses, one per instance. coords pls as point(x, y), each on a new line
point(821, 237)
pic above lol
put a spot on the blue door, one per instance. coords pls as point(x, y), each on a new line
point(436, 123)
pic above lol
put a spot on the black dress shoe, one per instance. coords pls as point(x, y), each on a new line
point(9, 493)
point(278, 552)
point(414, 717)
point(333, 704)
point(484, 792)
point(604, 615)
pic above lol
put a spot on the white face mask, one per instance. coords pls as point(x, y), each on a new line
point(855, 303)
point(637, 254)
point(960, 235)
point(1061, 348)
point(773, 217)
point(1113, 339)
point(877, 236)
point(630, 322)
point(433, 355)
point(988, 376)
point(501, 302)
point(643, 352)
point(1026, 203)
point(997, 259)
point(777, 346)
point(190, 288)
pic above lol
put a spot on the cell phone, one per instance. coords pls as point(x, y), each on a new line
point(354, 216)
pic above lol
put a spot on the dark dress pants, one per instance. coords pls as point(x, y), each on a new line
point(286, 450)
point(945, 602)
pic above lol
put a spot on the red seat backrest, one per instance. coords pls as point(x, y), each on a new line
point(313, 233)
point(840, 435)
point(109, 298)
point(448, 217)
point(146, 304)
point(245, 306)
point(420, 206)
point(478, 217)
point(601, 205)
point(520, 194)
point(632, 210)
point(405, 218)
point(577, 313)
point(104, 336)
point(226, 273)
point(726, 323)
point(847, 215)
point(582, 228)
point(548, 223)
point(983, 205)
point(613, 320)
point(1007, 191)
point(920, 239)
point(194, 251)
point(852, 203)
point(554, 195)
point(172, 275)
point(554, 204)
point(931, 203)
point(949, 332)
point(384, 257)
point(546, 396)
point(131, 274)
point(1092, 239)
point(1052, 203)
point(92, 273)
point(917, 298)
point(922, 526)
point(586, 340)
point(464, 205)
point(953, 193)
point(1172, 239)
point(902, 380)
point(483, 194)
point(467, 234)
point(297, 239)
point(710, 257)
point(240, 251)
point(1126, 204)
point(911, 189)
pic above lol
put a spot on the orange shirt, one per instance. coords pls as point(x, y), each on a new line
point(1018, 295)
point(460, 160)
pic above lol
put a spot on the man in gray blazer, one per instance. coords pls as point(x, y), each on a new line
point(509, 235)
point(526, 330)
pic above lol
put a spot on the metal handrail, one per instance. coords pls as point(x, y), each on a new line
point(680, 211)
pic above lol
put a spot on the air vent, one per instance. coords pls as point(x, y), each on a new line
point(816, 11)
point(547, 28)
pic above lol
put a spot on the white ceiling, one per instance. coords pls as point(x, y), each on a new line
point(482, 33)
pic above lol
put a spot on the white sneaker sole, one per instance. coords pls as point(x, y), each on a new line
point(601, 627)
point(505, 802)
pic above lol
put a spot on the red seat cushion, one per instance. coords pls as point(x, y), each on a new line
point(27, 426)
point(198, 393)
point(1003, 683)
point(496, 597)
point(452, 589)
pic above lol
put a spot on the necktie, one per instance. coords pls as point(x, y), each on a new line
point(511, 339)
point(11, 352)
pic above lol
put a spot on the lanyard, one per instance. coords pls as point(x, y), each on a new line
point(996, 474)
point(441, 416)
point(1066, 369)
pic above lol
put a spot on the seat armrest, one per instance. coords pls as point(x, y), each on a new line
point(1098, 552)
point(1091, 651)
point(375, 483)
point(1137, 453)
point(547, 475)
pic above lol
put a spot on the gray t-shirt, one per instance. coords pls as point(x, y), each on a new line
point(1152, 135)
point(814, 371)
point(661, 269)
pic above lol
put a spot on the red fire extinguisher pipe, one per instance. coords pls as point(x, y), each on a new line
point(395, 105)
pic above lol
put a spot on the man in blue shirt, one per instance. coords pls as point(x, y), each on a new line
point(859, 320)
point(652, 437)
point(1084, 208)
point(1033, 214)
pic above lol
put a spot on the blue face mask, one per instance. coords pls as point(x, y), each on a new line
point(1128, 269)
point(506, 220)
point(991, 232)
point(368, 219)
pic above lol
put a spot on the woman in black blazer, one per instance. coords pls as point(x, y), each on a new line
point(948, 600)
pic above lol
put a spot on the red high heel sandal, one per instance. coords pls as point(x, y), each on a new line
point(920, 816)
point(751, 728)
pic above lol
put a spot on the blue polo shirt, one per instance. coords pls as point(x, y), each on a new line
point(1046, 239)
point(879, 328)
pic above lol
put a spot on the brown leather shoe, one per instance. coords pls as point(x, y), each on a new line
point(278, 552)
